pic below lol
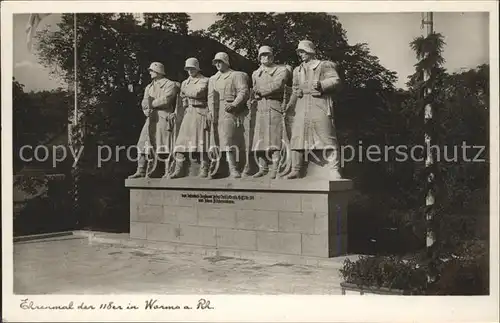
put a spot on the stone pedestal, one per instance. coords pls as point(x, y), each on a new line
point(301, 217)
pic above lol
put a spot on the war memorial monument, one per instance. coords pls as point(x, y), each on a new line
point(246, 165)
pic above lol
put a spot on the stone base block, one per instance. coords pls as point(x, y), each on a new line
point(286, 217)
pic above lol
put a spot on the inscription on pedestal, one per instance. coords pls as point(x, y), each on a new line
point(217, 198)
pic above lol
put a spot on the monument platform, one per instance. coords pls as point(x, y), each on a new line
point(302, 217)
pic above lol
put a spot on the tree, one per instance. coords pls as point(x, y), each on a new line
point(200, 33)
point(173, 22)
point(38, 116)
point(20, 114)
point(246, 32)
point(464, 111)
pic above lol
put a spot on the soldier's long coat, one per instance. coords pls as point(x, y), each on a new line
point(270, 83)
point(313, 126)
point(223, 88)
point(157, 132)
point(193, 132)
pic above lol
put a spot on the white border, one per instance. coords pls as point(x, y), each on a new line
point(255, 308)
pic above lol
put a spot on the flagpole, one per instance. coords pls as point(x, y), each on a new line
point(77, 132)
point(75, 120)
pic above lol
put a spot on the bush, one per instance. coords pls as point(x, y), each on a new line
point(45, 208)
point(385, 272)
point(465, 273)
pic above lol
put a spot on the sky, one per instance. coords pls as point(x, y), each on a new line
point(387, 35)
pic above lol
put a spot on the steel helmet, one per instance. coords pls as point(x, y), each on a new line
point(157, 67)
point(307, 46)
point(192, 63)
point(265, 50)
point(221, 56)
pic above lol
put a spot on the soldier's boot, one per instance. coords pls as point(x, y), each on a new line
point(273, 170)
point(263, 169)
point(203, 166)
point(246, 169)
point(211, 173)
point(141, 167)
point(179, 163)
point(297, 157)
point(334, 165)
point(231, 160)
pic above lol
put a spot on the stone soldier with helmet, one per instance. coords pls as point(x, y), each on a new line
point(158, 105)
point(313, 128)
point(193, 132)
point(227, 97)
point(269, 82)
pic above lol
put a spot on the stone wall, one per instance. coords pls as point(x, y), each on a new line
point(251, 216)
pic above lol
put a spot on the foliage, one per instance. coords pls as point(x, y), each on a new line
point(466, 273)
point(31, 185)
point(172, 22)
point(387, 272)
point(246, 32)
point(45, 207)
point(429, 53)
point(281, 31)
point(38, 118)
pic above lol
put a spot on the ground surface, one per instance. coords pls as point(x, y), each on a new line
point(73, 266)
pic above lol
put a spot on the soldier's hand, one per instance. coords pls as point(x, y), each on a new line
point(210, 118)
point(251, 103)
point(229, 107)
point(150, 102)
point(257, 94)
point(146, 112)
point(317, 85)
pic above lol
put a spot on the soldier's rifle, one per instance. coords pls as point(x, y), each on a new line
point(213, 143)
point(151, 163)
point(172, 126)
point(251, 103)
point(284, 164)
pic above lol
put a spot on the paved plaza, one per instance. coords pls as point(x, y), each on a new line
point(72, 265)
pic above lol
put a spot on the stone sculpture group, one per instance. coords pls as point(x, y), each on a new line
point(215, 108)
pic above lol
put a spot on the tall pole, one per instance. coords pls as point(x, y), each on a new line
point(75, 61)
point(77, 133)
point(427, 22)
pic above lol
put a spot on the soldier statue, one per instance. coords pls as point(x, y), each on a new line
point(194, 131)
point(227, 97)
point(269, 82)
point(313, 128)
point(158, 105)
